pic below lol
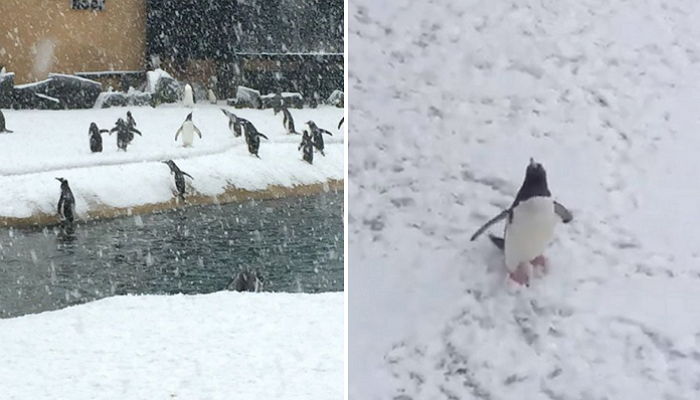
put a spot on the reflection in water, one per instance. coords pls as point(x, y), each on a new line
point(294, 244)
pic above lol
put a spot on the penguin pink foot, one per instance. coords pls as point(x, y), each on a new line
point(520, 275)
point(540, 262)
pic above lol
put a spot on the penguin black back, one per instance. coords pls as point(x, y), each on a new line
point(252, 137)
point(179, 177)
point(96, 137)
point(66, 203)
point(125, 133)
point(534, 185)
point(307, 146)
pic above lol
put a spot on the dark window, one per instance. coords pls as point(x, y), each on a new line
point(88, 5)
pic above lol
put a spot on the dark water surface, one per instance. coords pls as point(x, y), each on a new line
point(296, 243)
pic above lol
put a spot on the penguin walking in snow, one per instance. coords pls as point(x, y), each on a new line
point(287, 120)
point(188, 129)
point(530, 223)
point(179, 177)
point(3, 128)
point(96, 137)
point(317, 136)
point(252, 137)
point(307, 145)
point(125, 133)
point(66, 203)
point(130, 120)
point(234, 123)
point(188, 97)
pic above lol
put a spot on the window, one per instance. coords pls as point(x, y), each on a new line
point(88, 5)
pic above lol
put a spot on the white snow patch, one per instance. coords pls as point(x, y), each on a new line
point(218, 346)
point(605, 95)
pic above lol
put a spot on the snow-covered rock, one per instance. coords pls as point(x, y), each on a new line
point(164, 88)
point(73, 91)
point(336, 99)
point(247, 98)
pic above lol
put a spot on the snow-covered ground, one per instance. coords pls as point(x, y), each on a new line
point(49, 144)
point(225, 345)
point(448, 100)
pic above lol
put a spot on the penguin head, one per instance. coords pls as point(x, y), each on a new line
point(64, 182)
point(128, 114)
point(535, 172)
point(120, 122)
point(189, 117)
point(93, 127)
point(535, 184)
point(311, 124)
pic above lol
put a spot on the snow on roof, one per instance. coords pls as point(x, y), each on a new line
point(74, 77)
point(28, 85)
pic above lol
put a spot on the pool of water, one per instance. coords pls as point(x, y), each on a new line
point(295, 243)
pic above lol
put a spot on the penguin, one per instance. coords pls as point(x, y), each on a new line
point(317, 136)
point(188, 97)
point(96, 137)
point(212, 96)
point(252, 137)
point(234, 123)
point(66, 203)
point(3, 129)
point(341, 122)
point(530, 223)
point(130, 120)
point(287, 120)
point(188, 129)
point(308, 147)
point(125, 133)
point(179, 178)
point(246, 281)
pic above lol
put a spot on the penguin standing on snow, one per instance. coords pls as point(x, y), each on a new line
point(287, 120)
point(96, 137)
point(188, 97)
point(179, 177)
point(125, 133)
point(252, 137)
point(3, 129)
point(317, 136)
point(530, 224)
point(66, 203)
point(130, 120)
point(307, 145)
point(246, 281)
point(234, 123)
point(188, 129)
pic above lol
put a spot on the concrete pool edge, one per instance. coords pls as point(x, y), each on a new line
point(231, 194)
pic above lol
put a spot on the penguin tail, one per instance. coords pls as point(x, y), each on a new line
point(497, 241)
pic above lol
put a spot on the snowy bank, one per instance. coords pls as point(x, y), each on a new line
point(49, 144)
point(218, 346)
point(605, 95)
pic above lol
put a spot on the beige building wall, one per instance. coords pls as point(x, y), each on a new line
point(42, 36)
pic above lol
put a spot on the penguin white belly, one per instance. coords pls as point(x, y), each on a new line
point(530, 230)
point(187, 134)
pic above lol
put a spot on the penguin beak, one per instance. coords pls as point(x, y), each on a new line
point(532, 161)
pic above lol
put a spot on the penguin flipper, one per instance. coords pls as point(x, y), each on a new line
point(185, 173)
point(492, 221)
point(104, 130)
point(197, 131)
point(178, 133)
point(498, 241)
point(563, 213)
point(326, 132)
point(135, 131)
point(341, 122)
point(260, 134)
